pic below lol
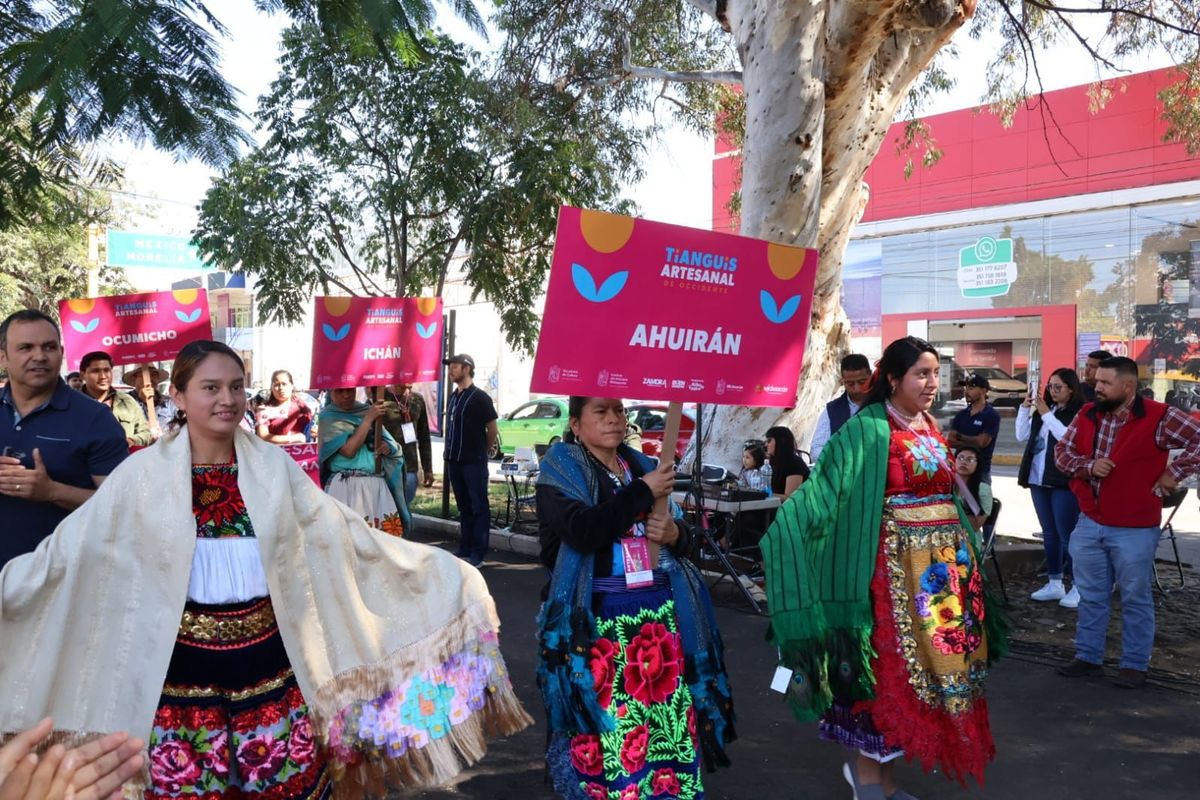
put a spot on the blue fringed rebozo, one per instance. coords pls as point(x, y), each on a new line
point(567, 627)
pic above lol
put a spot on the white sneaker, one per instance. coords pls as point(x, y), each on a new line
point(1071, 600)
point(1051, 591)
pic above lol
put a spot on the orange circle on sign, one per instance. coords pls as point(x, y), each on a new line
point(83, 306)
point(426, 305)
point(185, 297)
point(336, 306)
point(787, 261)
point(604, 232)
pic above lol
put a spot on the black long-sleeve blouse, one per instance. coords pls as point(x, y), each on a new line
point(594, 529)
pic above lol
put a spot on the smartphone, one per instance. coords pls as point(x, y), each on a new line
point(18, 454)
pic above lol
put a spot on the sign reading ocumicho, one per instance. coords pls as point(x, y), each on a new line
point(134, 328)
point(650, 311)
point(375, 341)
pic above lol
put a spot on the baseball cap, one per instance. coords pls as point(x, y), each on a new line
point(461, 358)
point(977, 381)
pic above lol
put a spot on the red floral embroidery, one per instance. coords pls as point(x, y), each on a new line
point(665, 782)
point(586, 756)
point(216, 760)
point(630, 792)
point(174, 765)
point(602, 662)
point(300, 741)
point(653, 664)
point(595, 791)
point(261, 756)
point(217, 502)
point(950, 640)
point(634, 749)
point(975, 587)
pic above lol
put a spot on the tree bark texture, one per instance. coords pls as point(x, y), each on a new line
point(823, 80)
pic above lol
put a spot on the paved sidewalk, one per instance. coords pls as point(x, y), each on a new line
point(1057, 739)
point(1018, 519)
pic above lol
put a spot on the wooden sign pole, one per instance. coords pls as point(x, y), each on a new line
point(378, 396)
point(670, 438)
point(151, 413)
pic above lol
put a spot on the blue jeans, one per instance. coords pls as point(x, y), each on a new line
point(1057, 511)
point(469, 480)
point(410, 487)
point(1101, 554)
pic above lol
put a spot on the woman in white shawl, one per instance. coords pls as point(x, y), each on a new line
point(255, 632)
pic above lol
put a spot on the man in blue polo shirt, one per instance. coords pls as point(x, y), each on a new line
point(56, 444)
point(977, 425)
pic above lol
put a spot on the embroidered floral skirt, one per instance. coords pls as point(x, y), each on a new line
point(370, 496)
point(637, 667)
point(931, 651)
point(231, 722)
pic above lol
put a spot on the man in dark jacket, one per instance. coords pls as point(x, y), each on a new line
point(856, 382)
point(407, 420)
point(1089, 373)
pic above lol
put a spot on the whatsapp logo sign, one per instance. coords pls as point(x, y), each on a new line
point(986, 268)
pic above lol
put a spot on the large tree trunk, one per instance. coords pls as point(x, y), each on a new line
point(823, 81)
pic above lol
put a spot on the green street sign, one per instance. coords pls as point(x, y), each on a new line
point(986, 268)
point(131, 249)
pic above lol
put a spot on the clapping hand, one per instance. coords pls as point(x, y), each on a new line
point(92, 771)
point(28, 484)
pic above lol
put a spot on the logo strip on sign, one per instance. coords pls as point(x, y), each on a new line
point(653, 311)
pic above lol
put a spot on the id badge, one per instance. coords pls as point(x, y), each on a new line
point(409, 431)
point(639, 571)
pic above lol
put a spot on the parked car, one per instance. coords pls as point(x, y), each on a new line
point(535, 423)
point(652, 419)
point(1005, 389)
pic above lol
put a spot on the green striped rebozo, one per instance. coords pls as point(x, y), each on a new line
point(819, 556)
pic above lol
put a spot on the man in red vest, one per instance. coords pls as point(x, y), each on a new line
point(1116, 451)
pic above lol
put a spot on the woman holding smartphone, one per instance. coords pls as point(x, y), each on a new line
point(1041, 422)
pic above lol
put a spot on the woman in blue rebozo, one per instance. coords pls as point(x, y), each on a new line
point(631, 665)
point(349, 458)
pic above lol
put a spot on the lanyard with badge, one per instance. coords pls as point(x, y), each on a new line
point(634, 549)
point(408, 430)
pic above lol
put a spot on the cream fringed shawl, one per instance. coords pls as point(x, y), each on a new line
point(393, 644)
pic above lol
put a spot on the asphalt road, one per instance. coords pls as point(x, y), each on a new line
point(1057, 739)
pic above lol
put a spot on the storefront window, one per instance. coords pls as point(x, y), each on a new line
point(906, 272)
point(1166, 299)
point(1132, 272)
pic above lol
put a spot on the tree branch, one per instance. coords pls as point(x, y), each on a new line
point(628, 70)
point(1030, 52)
point(708, 7)
point(1111, 10)
point(326, 276)
point(441, 284)
point(340, 241)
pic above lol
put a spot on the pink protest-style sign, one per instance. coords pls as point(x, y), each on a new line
point(376, 341)
point(134, 328)
point(650, 311)
point(308, 456)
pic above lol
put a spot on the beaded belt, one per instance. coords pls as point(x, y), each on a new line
point(229, 627)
